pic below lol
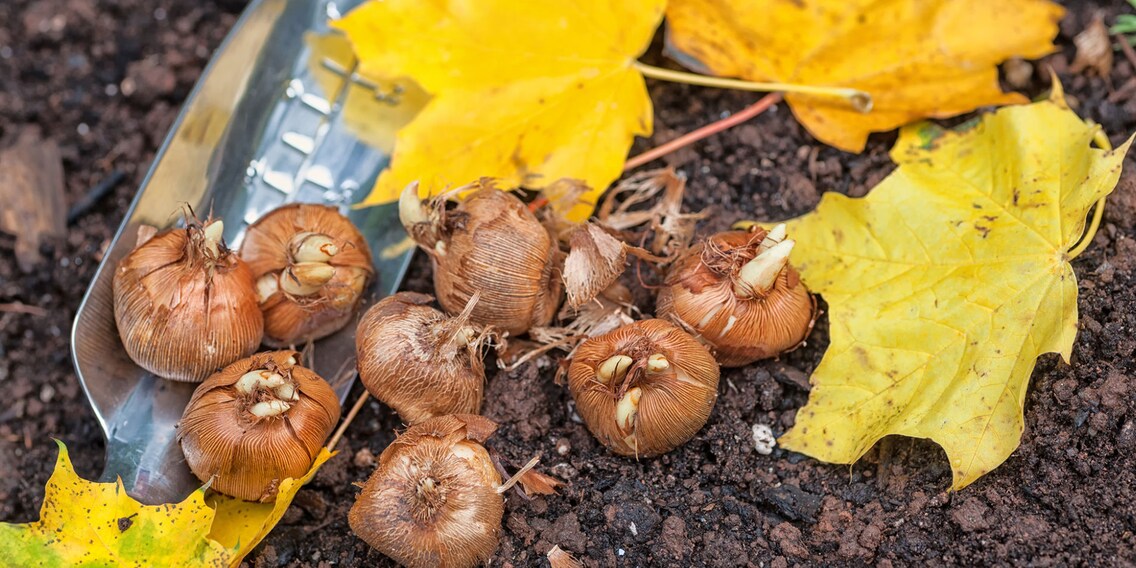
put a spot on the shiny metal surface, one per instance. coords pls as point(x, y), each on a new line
point(263, 127)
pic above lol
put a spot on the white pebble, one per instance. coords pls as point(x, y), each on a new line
point(763, 439)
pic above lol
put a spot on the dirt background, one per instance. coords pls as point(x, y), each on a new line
point(104, 79)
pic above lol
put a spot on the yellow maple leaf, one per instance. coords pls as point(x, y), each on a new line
point(242, 524)
point(84, 523)
point(374, 108)
point(916, 58)
point(526, 92)
point(947, 282)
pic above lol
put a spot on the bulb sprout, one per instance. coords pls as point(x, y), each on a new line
point(313, 247)
point(657, 363)
point(757, 276)
point(213, 234)
point(266, 286)
point(306, 278)
point(614, 369)
point(410, 209)
point(776, 235)
point(627, 408)
point(269, 408)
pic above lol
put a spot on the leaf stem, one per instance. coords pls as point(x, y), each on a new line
point(1098, 212)
point(347, 420)
point(859, 100)
point(708, 130)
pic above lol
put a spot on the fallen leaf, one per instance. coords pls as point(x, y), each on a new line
point(917, 58)
point(557, 558)
point(947, 282)
point(241, 525)
point(1094, 49)
point(374, 108)
point(521, 92)
point(537, 483)
point(83, 523)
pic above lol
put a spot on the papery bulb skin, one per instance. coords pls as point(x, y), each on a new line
point(738, 294)
point(493, 245)
point(185, 305)
point(644, 388)
point(418, 360)
point(311, 266)
point(432, 502)
point(256, 423)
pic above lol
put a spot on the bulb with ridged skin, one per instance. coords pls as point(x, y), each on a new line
point(489, 243)
point(739, 295)
point(418, 360)
point(644, 388)
point(432, 502)
point(184, 304)
point(311, 267)
point(255, 423)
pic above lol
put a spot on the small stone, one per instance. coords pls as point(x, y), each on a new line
point(148, 80)
point(364, 458)
point(971, 515)
point(788, 537)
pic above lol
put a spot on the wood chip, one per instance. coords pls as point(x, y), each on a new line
point(31, 189)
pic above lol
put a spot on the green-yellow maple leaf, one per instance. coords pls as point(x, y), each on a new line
point(947, 282)
point(83, 523)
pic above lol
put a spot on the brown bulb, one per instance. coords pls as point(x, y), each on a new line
point(645, 388)
point(257, 422)
point(433, 501)
point(740, 296)
point(311, 266)
point(418, 360)
point(185, 305)
point(490, 243)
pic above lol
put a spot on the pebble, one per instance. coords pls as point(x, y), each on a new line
point(763, 439)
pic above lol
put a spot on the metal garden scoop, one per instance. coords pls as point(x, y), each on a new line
point(264, 126)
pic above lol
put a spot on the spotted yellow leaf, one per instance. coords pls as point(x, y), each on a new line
point(916, 58)
point(947, 282)
point(527, 92)
point(83, 523)
point(89, 524)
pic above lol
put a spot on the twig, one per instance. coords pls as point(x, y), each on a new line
point(94, 196)
point(517, 476)
point(1126, 48)
point(347, 421)
point(539, 351)
point(21, 308)
point(710, 129)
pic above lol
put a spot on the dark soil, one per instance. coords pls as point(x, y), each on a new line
point(104, 79)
